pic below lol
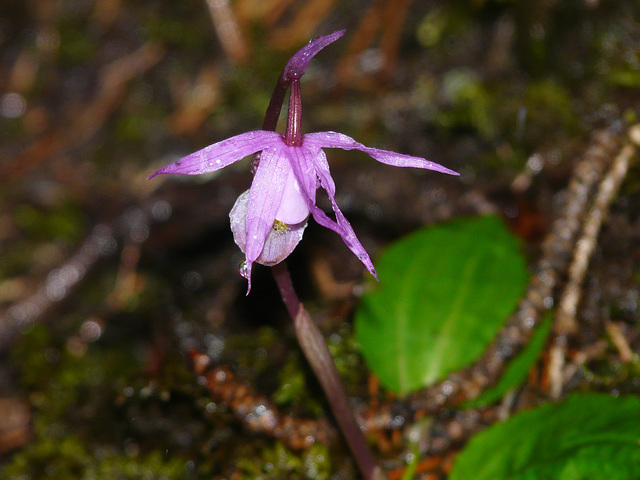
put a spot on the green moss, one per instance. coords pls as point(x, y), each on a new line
point(432, 27)
point(293, 385)
point(55, 457)
point(279, 463)
point(346, 355)
point(76, 43)
point(171, 30)
point(469, 102)
point(625, 77)
point(61, 378)
point(549, 107)
point(136, 127)
point(65, 222)
point(294, 388)
point(77, 430)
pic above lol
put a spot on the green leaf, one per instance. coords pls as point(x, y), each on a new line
point(444, 292)
point(519, 367)
point(587, 437)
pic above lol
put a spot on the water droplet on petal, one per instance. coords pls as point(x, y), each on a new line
point(244, 269)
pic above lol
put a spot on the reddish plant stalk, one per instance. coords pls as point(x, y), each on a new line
point(309, 336)
point(317, 353)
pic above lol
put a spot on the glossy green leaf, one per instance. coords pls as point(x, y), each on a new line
point(444, 292)
point(587, 437)
point(518, 368)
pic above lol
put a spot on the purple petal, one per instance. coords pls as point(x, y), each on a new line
point(302, 162)
point(294, 207)
point(342, 226)
point(339, 140)
point(278, 244)
point(265, 197)
point(298, 63)
point(221, 154)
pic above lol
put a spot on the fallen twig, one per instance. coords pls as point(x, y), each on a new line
point(256, 412)
point(566, 323)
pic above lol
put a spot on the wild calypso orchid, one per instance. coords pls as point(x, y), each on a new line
point(268, 220)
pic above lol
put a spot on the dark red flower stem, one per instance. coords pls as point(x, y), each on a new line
point(275, 105)
point(317, 353)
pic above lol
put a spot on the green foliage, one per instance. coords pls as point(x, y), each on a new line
point(548, 105)
point(444, 291)
point(589, 436)
point(292, 383)
point(516, 371)
point(346, 354)
point(76, 44)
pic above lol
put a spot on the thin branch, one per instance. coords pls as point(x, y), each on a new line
point(566, 323)
point(585, 246)
point(256, 412)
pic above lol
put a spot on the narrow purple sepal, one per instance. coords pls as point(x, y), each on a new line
point(344, 228)
point(298, 63)
point(310, 166)
point(221, 154)
point(339, 140)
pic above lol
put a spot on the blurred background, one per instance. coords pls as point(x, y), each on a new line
point(107, 279)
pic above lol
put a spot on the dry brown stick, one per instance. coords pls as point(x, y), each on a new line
point(259, 415)
point(57, 286)
point(306, 19)
point(132, 227)
point(565, 323)
point(229, 32)
point(616, 334)
point(78, 128)
point(396, 14)
point(362, 38)
point(256, 412)
point(114, 78)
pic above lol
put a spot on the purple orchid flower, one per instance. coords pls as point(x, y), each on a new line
point(268, 220)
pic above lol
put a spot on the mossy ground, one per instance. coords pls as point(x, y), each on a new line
point(478, 86)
